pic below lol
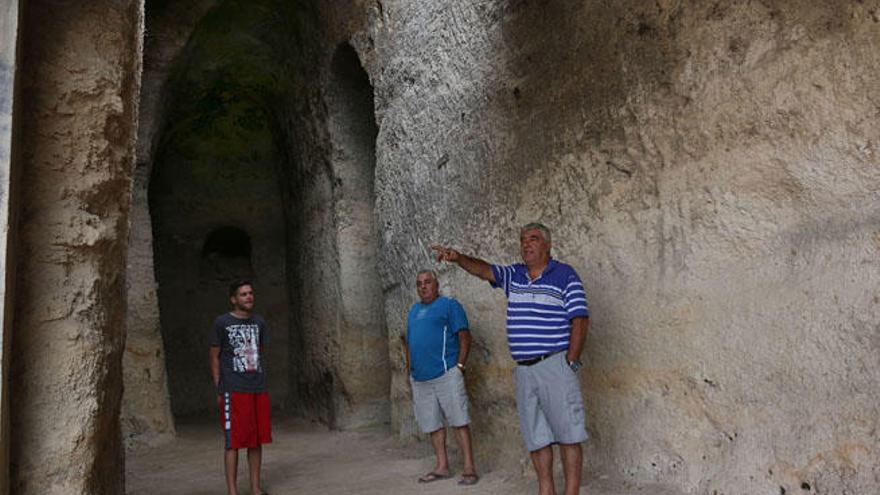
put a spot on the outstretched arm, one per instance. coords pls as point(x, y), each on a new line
point(474, 266)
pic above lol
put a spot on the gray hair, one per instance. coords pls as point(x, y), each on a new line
point(428, 270)
point(537, 226)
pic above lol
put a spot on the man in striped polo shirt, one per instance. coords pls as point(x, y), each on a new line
point(547, 320)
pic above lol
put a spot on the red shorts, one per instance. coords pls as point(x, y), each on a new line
point(246, 419)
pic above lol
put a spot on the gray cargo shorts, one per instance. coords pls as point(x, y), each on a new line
point(549, 402)
point(442, 396)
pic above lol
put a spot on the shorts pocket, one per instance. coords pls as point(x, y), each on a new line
point(564, 363)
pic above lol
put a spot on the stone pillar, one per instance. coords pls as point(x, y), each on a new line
point(80, 73)
point(9, 16)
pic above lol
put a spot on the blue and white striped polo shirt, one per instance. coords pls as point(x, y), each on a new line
point(539, 311)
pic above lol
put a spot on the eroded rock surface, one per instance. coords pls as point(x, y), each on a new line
point(80, 71)
point(711, 169)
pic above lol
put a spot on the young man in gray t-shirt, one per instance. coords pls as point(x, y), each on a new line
point(236, 352)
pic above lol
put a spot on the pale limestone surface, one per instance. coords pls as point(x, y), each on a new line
point(80, 75)
point(711, 170)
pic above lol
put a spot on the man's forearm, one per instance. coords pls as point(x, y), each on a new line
point(214, 360)
point(579, 328)
point(464, 345)
point(476, 267)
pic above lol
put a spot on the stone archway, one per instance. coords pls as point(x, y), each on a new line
point(196, 78)
point(363, 342)
point(215, 200)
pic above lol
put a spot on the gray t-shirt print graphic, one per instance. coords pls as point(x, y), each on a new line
point(241, 344)
point(245, 347)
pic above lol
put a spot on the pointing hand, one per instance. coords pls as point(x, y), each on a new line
point(446, 254)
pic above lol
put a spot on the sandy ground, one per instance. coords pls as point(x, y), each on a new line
point(306, 458)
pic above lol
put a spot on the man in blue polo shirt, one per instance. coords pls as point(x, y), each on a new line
point(437, 345)
point(547, 320)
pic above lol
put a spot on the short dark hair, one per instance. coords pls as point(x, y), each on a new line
point(234, 286)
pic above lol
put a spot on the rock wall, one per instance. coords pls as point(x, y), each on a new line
point(710, 168)
point(9, 23)
point(80, 73)
point(362, 362)
point(146, 405)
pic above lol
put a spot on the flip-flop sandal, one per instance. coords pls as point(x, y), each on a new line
point(432, 477)
point(469, 479)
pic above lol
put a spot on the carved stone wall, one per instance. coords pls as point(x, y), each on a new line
point(80, 75)
point(711, 170)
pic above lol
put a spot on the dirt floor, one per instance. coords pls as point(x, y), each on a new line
point(306, 458)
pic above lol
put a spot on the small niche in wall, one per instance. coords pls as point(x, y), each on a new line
point(226, 255)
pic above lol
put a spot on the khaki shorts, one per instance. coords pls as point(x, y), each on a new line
point(549, 402)
point(444, 396)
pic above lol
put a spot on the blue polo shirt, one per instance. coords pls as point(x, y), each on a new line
point(432, 337)
point(539, 311)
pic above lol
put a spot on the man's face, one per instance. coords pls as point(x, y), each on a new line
point(427, 287)
point(243, 299)
point(534, 249)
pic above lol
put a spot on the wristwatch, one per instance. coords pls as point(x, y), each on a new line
point(461, 366)
point(575, 365)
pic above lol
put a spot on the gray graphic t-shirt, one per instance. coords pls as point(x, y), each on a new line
point(241, 342)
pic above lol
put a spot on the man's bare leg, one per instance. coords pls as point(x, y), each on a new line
point(438, 441)
point(572, 461)
point(463, 437)
point(230, 462)
point(543, 462)
point(255, 458)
